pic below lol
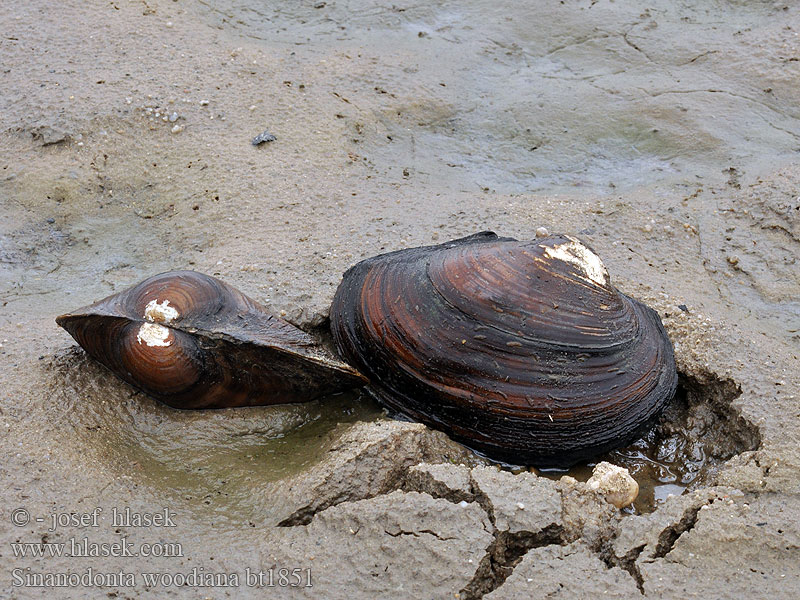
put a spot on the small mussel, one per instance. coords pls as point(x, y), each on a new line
point(522, 350)
point(193, 341)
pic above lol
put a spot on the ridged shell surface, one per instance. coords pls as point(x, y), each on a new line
point(522, 350)
point(193, 341)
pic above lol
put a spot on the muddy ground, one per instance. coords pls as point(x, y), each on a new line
point(665, 134)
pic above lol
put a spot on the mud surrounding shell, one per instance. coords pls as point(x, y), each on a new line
point(193, 341)
point(521, 350)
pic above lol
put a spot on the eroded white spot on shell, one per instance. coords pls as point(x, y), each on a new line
point(153, 334)
point(579, 255)
point(160, 312)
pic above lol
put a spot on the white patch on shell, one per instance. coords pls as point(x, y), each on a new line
point(153, 334)
point(160, 312)
point(579, 255)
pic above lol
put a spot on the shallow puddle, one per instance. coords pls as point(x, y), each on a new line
point(661, 467)
point(698, 432)
point(220, 464)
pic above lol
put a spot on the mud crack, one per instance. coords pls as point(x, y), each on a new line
point(417, 534)
point(363, 471)
point(657, 547)
point(393, 481)
point(627, 563)
point(670, 535)
point(507, 548)
point(503, 554)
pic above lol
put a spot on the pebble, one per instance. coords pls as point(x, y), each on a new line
point(173, 117)
point(614, 483)
point(542, 232)
point(266, 136)
point(177, 129)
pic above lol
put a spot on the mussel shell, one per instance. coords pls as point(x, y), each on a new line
point(193, 341)
point(521, 350)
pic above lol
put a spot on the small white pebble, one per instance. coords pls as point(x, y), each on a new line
point(169, 23)
point(614, 483)
point(463, 503)
point(173, 117)
point(203, 102)
point(520, 506)
point(542, 232)
point(177, 128)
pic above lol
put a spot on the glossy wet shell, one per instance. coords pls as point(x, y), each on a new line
point(193, 341)
point(521, 350)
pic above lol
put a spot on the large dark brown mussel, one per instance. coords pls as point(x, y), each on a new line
point(522, 350)
point(193, 341)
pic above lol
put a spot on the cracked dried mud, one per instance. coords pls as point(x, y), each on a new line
point(665, 134)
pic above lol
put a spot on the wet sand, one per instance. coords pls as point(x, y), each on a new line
point(665, 136)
